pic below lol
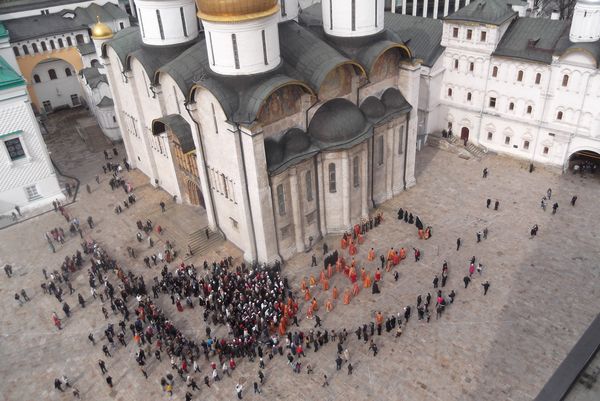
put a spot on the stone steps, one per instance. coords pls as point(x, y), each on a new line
point(199, 244)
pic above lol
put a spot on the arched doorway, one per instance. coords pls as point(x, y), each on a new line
point(584, 162)
point(464, 134)
point(195, 194)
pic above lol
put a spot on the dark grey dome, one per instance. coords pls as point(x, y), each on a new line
point(337, 120)
point(295, 141)
point(393, 99)
point(273, 151)
point(372, 107)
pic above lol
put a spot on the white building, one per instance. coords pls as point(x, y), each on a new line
point(28, 179)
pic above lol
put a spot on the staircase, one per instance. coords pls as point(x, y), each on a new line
point(476, 151)
point(199, 244)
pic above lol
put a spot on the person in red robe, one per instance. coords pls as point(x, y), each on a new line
point(361, 239)
point(325, 283)
point(371, 256)
point(352, 249)
point(347, 296)
point(352, 275)
point(328, 305)
point(307, 295)
point(329, 271)
point(355, 289)
point(378, 275)
point(344, 242)
point(335, 292)
point(56, 321)
point(315, 305)
point(178, 304)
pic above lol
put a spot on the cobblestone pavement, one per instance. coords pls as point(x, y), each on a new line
point(503, 346)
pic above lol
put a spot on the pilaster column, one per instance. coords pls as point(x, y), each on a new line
point(414, 11)
point(321, 188)
point(403, 6)
point(296, 210)
point(456, 5)
point(424, 8)
point(393, 6)
point(345, 181)
point(364, 182)
point(446, 7)
point(435, 8)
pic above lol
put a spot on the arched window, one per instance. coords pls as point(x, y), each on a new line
point(79, 39)
point(52, 74)
point(44, 47)
point(511, 106)
point(52, 45)
point(468, 96)
point(565, 80)
point(546, 150)
point(309, 191)
point(526, 145)
point(36, 79)
point(16, 50)
point(559, 115)
point(332, 186)
point(495, 72)
point(356, 171)
point(68, 72)
point(471, 66)
point(69, 41)
point(60, 43)
point(520, 76)
point(538, 78)
point(529, 109)
point(456, 64)
point(449, 92)
point(380, 151)
point(34, 47)
point(25, 49)
point(281, 200)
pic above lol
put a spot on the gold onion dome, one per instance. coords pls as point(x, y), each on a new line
point(235, 10)
point(101, 31)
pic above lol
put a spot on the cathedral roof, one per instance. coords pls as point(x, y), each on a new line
point(422, 35)
point(291, 148)
point(494, 12)
point(338, 123)
point(180, 128)
point(93, 77)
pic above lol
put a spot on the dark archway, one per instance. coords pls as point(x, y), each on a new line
point(584, 162)
point(464, 134)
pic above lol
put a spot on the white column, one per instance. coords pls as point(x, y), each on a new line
point(404, 7)
point(345, 181)
point(414, 12)
point(446, 7)
point(456, 5)
point(435, 8)
point(321, 187)
point(389, 161)
point(424, 8)
point(393, 6)
point(296, 210)
point(467, 2)
point(364, 182)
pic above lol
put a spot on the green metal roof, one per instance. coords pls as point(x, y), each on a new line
point(3, 31)
point(9, 78)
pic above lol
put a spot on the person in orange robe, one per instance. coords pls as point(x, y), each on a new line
point(347, 296)
point(307, 295)
point(325, 283)
point(344, 243)
point(312, 281)
point(309, 312)
point(352, 274)
point(371, 255)
point(378, 275)
point(361, 239)
point(367, 281)
point(315, 305)
point(328, 305)
point(322, 276)
point(363, 273)
point(338, 265)
point(396, 258)
point(335, 292)
point(355, 289)
point(402, 253)
point(329, 271)
point(282, 327)
point(390, 254)
point(352, 249)
point(379, 319)
point(357, 229)
point(303, 284)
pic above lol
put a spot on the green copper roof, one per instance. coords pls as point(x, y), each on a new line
point(9, 78)
point(3, 31)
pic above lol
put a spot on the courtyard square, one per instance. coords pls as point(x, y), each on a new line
point(502, 346)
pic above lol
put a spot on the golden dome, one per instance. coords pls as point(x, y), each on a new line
point(101, 30)
point(235, 10)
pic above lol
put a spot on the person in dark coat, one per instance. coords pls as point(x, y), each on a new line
point(375, 288)
point(400, 214)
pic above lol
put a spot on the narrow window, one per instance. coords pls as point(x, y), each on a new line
point(68, 72)
point(455, 32)
point(235, 51)
point(401, 140)
point(75, 100)
point(121, 25)
point(283, 12)
point(449, 92)
point(490, 136)
point(185, 32)
point(264, 43)
point(354, 15)
point(355, 171)
point(212, 106)
point(309, 191)
point(34, 47)
point(224, 184)
point(520, 76)
point(511, 106)
point(52, 74)
point(456, 64)
point(471, 66)
point(483, 36)
point(212, 52)
point(380, 151)
point(139, 13)
point(526, 145)
point(495, 72)
point(332, 187)
point(330, 14)
point(44, 47)
point(546, 150)
point(79, 39)
point(492, 102)
point(25, 49)
point(69, 41)
point(375, 13)
point(36, 79)
point(507, 140)
point(16, 50)
point(15, 149)
point(468, 96)
point(52, 45)
point(469, 34)
point(529, 109)
point(281, 200)
point(565, 80)
point(538, 78)
point(60, 43)
point(559, 115)
point(160, 25)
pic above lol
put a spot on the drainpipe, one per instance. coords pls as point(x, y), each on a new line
point(484, 96)
point(578, 119)
point(238, 131)
point(210, 194)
